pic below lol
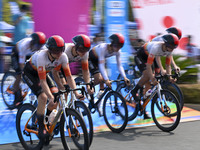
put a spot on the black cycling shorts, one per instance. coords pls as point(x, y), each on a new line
point(141, 60)
point(31, 77)
point(93, 63)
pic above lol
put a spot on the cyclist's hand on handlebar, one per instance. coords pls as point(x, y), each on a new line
point(127, 81)
point(108, 83)
point(163, 72)
point(89, 90)
point(80, 96)
point(173, 80)
point(177, 69)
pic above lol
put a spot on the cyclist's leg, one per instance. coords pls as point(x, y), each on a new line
point(16, 67)
point(31, 77)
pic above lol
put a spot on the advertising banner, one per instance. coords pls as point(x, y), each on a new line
point(63, 17)
point(154, 16)
point(115, 22)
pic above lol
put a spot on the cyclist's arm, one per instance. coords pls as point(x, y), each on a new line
point(168, 64)
point(57, 79)
point(43, 82)
point(174, 64)
point(158, 60)
point(69, 77)
point(150, 60)
point(119, 65)
point(85, 71)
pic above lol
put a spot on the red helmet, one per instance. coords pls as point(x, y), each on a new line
point(55, 44)
point(117, 39)
point(176, 31)
point(38, 38)
point(82, 42)
point(171, 40)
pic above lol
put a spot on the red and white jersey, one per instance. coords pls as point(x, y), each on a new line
point(23, 47)
point(40, 61)
point(102, 53)
point(68, 51)
point(155, 48)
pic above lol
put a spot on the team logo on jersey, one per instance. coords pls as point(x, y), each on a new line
point(40, 68)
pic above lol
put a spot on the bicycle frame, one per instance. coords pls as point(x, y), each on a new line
point(50, 129)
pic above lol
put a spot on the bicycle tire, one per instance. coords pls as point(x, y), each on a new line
point(73, 113)
point(8, 98)
point(132, 106)
point(118, 122)
point(174, 88)
point(85, 113)
point(24, 109)
point(168, 119)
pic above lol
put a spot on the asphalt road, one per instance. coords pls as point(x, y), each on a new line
point(185, 137)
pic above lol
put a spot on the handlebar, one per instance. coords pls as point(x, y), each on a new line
point(67, 90)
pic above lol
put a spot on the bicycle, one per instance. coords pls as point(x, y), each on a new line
point(83, 110)
point(134, 75)
point(8, 91)
point(71, 125)
point(165, 108)
point(115, 111)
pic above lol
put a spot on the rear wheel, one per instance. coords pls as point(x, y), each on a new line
point(7, 90)
point(115, 112)
point(166, 111)
point(130, 102)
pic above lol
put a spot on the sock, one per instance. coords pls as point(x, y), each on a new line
point(136, 88)
point(48, 112)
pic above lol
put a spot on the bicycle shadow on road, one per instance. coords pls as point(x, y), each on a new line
point(133, 133)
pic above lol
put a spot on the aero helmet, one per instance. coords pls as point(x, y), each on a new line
point(117, 39)
point(55, 44)
point(176, 31)
point(38, 38)
point(82, 41)
point(171, 40)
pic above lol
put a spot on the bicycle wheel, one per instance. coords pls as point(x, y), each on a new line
point(166, 111)
point(29, 141)
point(86, 115)
point(115, 111)
point(6, 89)
point(130, 102)
point(176, 91)
point(73, 127)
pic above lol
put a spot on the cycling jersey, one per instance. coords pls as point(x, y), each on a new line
point(39, 65)
point(20, 52)
point(147, 53)
point(98, 54)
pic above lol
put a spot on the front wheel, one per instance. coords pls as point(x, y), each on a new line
point(166, 111)
point(29, 141)
point(86, 115)
point(73, 127)
point(115, 112)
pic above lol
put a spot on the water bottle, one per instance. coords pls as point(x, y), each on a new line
point(52, 116)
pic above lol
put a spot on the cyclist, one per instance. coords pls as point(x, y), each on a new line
point(36, 77)
point(20, 51)
point(97, 58)
point(145, 57)
point(159, 68)
point(78, 52)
